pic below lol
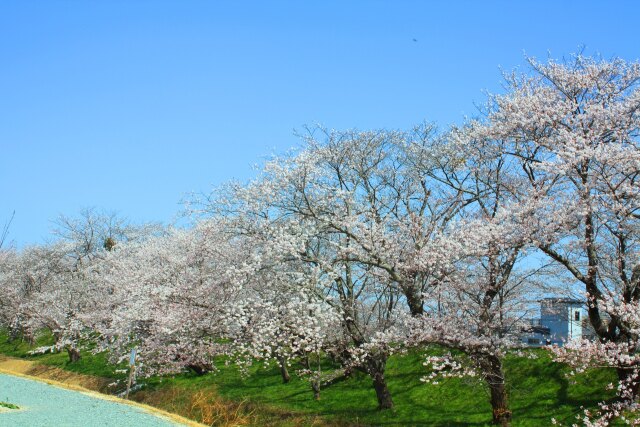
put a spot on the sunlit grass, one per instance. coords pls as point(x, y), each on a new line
point(539, 390)
point(8, 405)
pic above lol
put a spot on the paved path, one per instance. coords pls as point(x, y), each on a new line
point(46, 405)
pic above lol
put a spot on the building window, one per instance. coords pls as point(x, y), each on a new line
point(533, 341)
point(576, 315)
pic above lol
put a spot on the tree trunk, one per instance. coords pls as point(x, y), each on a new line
point(629, 377)
point(494, 376)
point(375, 368)
point(414, 300)
point(500, 405)
point(315, 386)
point(348, 372)
point(283, 370)
point(314, 379)
point(74, 354)
point(198, 369)
point(382, 391)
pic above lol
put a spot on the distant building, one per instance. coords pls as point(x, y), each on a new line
point(560, 322)
point(536, 335)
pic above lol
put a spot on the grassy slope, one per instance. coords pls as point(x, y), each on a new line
point(89, 364)
point(539, 391)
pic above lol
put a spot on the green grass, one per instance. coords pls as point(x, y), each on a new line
point(89, 364)
point(8, 405)
point(538, 389)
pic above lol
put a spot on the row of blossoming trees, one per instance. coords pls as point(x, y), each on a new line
point(361, 244)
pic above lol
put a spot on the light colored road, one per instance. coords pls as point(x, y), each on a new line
point(46, 405)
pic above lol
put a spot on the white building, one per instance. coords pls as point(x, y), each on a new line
point(560, 322)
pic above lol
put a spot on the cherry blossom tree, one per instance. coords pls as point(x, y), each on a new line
point(573, 128)
point(622, 356)
point(10, 294)
point(292, 327)
point(348, 204)
point(168, 296)
point(48, 286)
point(485, 286)
point(5, 230)
point(93, 231)
point(44, 294)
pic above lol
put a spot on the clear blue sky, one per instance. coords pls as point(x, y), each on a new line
point(128, 105)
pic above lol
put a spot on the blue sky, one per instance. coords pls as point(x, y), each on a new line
point(128, 105)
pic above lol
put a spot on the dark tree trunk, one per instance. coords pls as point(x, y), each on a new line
point(627, 377)
point(382, 391)
point(500, 405)
point(198, 369)
point(494, 376)
point(314, 380)
point(414, 300)
point(13, 335)
point(375, 368)
point(283, 370)
point(315, 386)
point(30, 338)
point(74, 354)
point(348, 372)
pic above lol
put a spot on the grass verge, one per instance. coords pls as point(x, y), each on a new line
point(8, 405)
point(539, 390)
